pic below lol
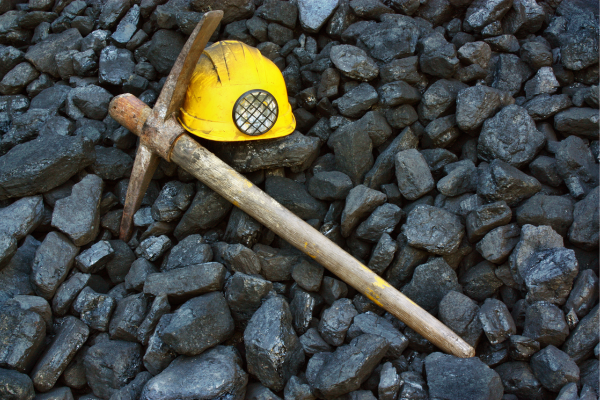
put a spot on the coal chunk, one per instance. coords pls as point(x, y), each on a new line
point(199, 324)
point(164, 48)
point(480, 281)
point(70, 336)
point(153, 247)
point(354, 62)
point(207, 209)
point(294, 197)
point(173, 200)
point(486, 217)
point(336, 320)
point(501, 181)
point(497, 322)
point(18, 78)
point(439, 98)
point(29, 168)
point(517, 148)
point(545, 323)
point(430, 283)
point(112, 364)
point(433, 229)
point(578, 121)
point(584, 293)
point(15, 385)
point(580, 343)
point(349, 366)
point(445, 378)
point(112, 163)
point(186, 282)
point(413, 174)
point(79, 214)
point(460, 313)
point(518, 379)
point(190, 251)
point(576, 166)
point(371, 323)
point(53, 261)
point(554, 368)
point(95, 309)
point(244, 295)
point(361, 201)
point(21, 217)
point(128, 316)
point(584, 230)
point(23, 333)
point(196, 377)
point(271, 328)
point(437, 56)
point(42, 54)
point(357, 101)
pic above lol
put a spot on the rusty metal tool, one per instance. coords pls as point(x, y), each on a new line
point(161, 135)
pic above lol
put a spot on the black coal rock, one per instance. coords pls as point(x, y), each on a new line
point(501, 181)
point(413, 174)
point(23, 333)
point(433, 229)
point(336, 320)
point(496, 320)
point(460, 314)
point(554, 368)
point(518, 379)
point(15, 385)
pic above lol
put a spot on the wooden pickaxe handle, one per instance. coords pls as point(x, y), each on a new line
point(209, 169)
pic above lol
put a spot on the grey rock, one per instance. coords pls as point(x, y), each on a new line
point(15, 277)
point(480, 281)
point(133, 389)
point(477, 103)
point(53, 261)
point(584, 293)
point(554, 368)
point(521, 348)
point(41, 55)
point(112, 163)
point(480, 13)
point(354, 62)
point(256, 391)
point(295, 151)
point(332, 289)
point(242, 228)
point(269, 328)
point(475, 53)
point(545, 106)
point(330, 185)
point(403, 69)
point(437, 56)
point(314, 14)
point(164, 48)
point(430, 283)
point(553, 211)
point(196, 377)
point(549, 274)
point(294, 197)
point(389, 382)
point(190, 251)
point(496, 320)
point(461, 178)
point(517, 148)
point(361, 201)
point(545, 323)
point(78, 215)
point(501, 181)
point(402, 116)
point(95, 309)
point(206, 210)
point(112, 364)
point(578, 50)
point(233, 11)
point(70, 336)
point(199, 324)
point(115, 65)
point(158, 355)
point(277, 265)
point(174, 198)
point(460, 313)
point(569, 391)
point(23, 333)
point(439, 98)
point(582, 340)
point(15, 385)
point(244, 295)
point(537, 54)
point(29, 168)
point(441, 132)
point(373, 324)
point(35, 304)
point(584, 230)
point(508, 72)
point(433, 229)
point(413, 174)
point(10, 58)
point(296, 388)
point(186, 282)
point(280, 12)
point(518, 379)
point(95, 258)
point(127, 26)
point(486, 217)
point(60, 393)
point(382, 254)
point(497, 244)
point(445, 378)
point(544, 82)
point(336, 320)
point(349, 366)
point(20, 218)
point(127, 317)
point(589, 373)
point(357, 101)
point(302, 307)
point(575, 165)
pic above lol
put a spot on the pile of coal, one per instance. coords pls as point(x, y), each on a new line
point(449, 145)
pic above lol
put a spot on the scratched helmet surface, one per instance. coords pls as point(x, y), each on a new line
point(236, 94)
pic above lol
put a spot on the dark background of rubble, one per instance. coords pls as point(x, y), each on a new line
point(451, 145)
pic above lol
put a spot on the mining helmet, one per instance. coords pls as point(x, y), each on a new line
point(236, 94)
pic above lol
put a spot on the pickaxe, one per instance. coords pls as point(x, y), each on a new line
point(161, 135)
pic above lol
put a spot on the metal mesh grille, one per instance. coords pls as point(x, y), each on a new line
point(255, 112)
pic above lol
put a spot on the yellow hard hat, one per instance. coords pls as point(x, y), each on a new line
point(236, 94)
